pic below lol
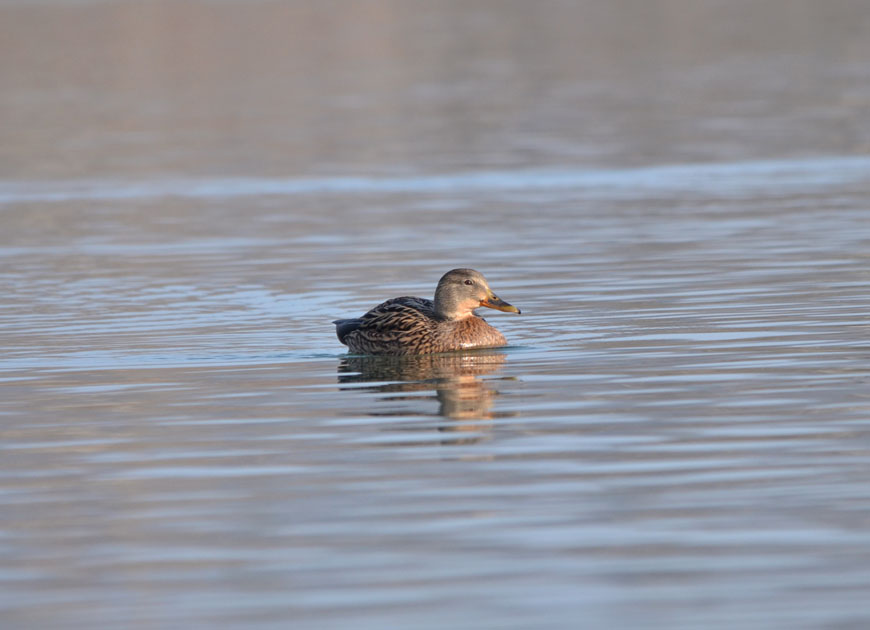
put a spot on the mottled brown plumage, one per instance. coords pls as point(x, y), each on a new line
point(412, 325)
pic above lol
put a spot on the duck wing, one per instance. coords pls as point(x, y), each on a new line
point(424, 306)
point(390, 326)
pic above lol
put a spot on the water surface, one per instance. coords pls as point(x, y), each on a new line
point(677, 435)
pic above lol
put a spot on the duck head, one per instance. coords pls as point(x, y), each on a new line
point(460, 291)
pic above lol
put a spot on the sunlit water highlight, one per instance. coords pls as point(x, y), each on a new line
point(743, 178)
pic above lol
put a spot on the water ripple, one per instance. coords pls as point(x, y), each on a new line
point(728, 180)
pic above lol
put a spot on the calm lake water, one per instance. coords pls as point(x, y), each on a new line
point(676, 194)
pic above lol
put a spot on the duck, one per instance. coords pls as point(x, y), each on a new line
point(412, 325)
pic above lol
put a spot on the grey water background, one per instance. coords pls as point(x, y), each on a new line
point(675, 193)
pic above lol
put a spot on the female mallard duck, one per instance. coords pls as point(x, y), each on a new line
point(412, 325)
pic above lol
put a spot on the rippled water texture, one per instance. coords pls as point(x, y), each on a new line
point(674, 193)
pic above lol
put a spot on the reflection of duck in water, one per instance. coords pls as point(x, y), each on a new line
point(461, 394)
point(412, 325)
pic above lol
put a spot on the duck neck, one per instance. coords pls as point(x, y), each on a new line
point(444, 314)
point(448, 310)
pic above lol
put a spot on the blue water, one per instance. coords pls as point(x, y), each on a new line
point(721, 180)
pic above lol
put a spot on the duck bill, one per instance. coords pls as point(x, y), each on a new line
point(493, 301)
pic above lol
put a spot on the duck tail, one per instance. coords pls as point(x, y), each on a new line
point(343, 327)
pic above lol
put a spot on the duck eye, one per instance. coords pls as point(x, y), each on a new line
point(469, 282)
